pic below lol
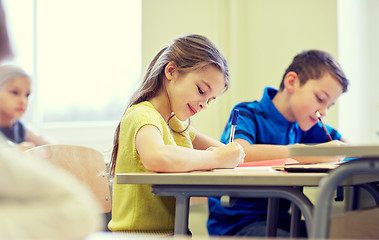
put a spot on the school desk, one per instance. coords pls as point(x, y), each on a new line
point(259, 182)
point(367, 164)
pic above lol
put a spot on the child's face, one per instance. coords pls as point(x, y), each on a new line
point(191, 92)
point(314, 95)
point(14, 96)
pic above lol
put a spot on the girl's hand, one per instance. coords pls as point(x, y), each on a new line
point(228, 156)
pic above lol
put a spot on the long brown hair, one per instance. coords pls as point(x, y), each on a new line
point(189, 53)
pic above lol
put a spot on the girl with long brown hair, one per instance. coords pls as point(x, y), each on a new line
point(154, 133)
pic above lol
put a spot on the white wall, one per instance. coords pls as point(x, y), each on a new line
point(258, 37)
point(358, 50)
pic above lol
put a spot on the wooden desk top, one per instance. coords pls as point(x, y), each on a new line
point(254, 176)
point(346, 150)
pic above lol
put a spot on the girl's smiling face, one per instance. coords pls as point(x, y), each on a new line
point(14, 98)
point(314, 95)
point(191, 92)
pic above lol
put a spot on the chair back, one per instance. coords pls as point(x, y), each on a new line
point(86, 164)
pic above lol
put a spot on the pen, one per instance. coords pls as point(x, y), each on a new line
point(323, 126)
point(234, 124)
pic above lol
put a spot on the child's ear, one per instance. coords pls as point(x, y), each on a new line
point(291, 81)
point(170, 69)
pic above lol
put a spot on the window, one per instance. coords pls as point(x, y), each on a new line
point(84, 57)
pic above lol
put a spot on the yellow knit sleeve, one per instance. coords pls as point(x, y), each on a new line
point(192, 132)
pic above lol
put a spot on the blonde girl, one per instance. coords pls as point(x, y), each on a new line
point(15, 87)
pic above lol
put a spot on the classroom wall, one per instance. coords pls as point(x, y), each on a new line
point(359, 55)
point(259, 38)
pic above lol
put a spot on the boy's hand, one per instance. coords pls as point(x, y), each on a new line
point(323, 159)
point(334, 143)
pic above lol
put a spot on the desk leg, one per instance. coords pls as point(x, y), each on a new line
point(181, 212)
point(272, 217)
point(295, 218)
point(295, 221)
point(355, 198)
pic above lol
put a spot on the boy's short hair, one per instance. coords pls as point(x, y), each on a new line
point(313, 64)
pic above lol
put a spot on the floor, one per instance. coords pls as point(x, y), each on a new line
point(198, 217)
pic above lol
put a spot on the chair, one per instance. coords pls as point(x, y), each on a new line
point(321, 212)
point(86, 164)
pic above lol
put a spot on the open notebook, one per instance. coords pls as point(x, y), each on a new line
point(315, 167)
point(291, 165)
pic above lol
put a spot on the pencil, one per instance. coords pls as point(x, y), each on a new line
point(323, 126)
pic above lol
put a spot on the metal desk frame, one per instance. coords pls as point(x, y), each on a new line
point(329, 184)
point(182, 193)
point(368, 163)
point(236, 184)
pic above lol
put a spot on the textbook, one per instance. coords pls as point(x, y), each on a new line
point(313, 167)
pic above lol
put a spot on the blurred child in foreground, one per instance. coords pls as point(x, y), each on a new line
point(38, 200)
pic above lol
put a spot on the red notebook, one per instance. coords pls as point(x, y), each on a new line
point(269, 163)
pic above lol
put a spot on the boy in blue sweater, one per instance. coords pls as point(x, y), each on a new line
point(313, 82)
